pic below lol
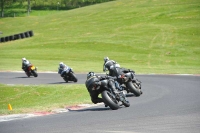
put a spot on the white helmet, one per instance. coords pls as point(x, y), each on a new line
point(106, 59)
point(23, 59)
point(61, 65)
point(117, 65)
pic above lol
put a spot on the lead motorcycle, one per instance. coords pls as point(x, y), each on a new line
point(111, 99)
point(69, 75)
point(127, 79)
point(31, 71)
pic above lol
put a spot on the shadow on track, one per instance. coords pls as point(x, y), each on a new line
point(25, 77)
point(90, 109)
point(61, 83)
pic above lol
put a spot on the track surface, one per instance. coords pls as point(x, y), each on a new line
point(169, 104)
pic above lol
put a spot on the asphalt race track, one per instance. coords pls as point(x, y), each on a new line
point(169, 104)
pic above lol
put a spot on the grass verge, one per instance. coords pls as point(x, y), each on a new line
point(33, 98)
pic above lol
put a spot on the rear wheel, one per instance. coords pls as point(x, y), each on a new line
point(133, 89)
point(28, 74)
point(126, 102)
point(109, 100)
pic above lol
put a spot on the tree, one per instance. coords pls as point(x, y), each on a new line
point(29, 7)
point(4, 3)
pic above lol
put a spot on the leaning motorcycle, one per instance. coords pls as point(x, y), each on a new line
point(31, 71)
point(128, 80)
point(114, 101)
point(69, 75)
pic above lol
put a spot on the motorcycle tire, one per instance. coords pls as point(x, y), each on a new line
point(126, 103)
point(34, 73)
point(28, 74)
point(74, 77)
point(108, 100)
point(133, 89)
point(66, 80)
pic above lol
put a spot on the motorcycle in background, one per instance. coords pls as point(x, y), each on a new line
point(127, 79)
point(31, 71)
point(69, 75)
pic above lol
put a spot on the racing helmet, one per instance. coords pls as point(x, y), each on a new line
point(23, 59)
point(61, 65)
point(117, 65)
point(90, 74)
point(106, 59)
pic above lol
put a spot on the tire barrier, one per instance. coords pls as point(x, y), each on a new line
point(23, 35)
point(2, 39)
point(17, 36)
point(11, 37)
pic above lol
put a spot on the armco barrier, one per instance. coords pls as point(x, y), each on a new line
point(23, 35)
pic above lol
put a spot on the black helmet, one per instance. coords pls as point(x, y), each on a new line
point(90, 74)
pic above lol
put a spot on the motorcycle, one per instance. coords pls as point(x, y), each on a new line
point(31, 71)
point(127, 79)
point(69, 75)
point(111, 99)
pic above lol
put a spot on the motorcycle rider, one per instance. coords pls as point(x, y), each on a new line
point(107, 64)
point(25, 64)
point(95, 82)
point(62, 68)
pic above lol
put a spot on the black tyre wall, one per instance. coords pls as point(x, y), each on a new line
point(27, 34)
point(17, 36)
point(31, 33)
point(2, 39)
point(22, 35)
point(7, 39)
point(11, 37)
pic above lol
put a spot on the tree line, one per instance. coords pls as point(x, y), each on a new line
point(48, 4)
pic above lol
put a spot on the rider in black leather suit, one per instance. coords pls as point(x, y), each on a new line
point(94, 83)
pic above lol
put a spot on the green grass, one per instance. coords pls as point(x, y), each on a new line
point(24, 99)
point(147, 36)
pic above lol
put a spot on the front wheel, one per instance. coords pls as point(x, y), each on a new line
point(74, 77)
point(133, 89)
point(34, 73)
point(125, 102)
point(66, 80)
point(110, 100)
